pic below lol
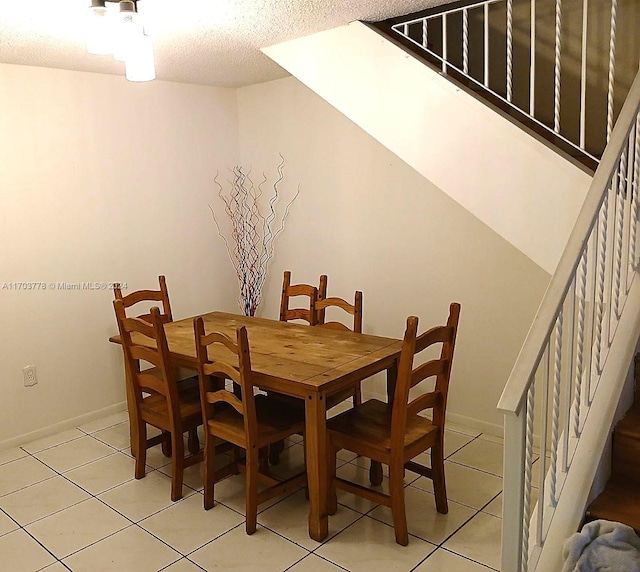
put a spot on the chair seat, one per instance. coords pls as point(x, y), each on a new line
point(366, 430)
point(276, 419)
point(154, 407)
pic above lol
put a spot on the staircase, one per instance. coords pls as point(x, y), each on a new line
point(620, 500)
point(560, 401)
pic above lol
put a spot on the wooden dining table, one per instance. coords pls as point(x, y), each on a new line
point(309, 363)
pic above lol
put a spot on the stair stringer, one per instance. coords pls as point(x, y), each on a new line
point(513, 182)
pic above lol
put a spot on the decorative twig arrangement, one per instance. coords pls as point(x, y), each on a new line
point(250, 239)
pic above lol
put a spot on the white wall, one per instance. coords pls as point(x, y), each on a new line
point(372, 223)
point(516, 184)
point(104, 180)
point(101, 180)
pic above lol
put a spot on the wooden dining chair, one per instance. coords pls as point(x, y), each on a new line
point(158, 400)
point(147, 296)
point(142, 301)
point(308, 312)
point(318, 318)
point(251, 422)
point(395, 433)
point(354, 310)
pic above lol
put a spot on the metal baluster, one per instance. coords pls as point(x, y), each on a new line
point(612, 66)
point(628, 213)
point(527, 475)
point(544, 432)
point(532, 65)
point(610, 259)
point(444, 43)
point(635, 191)
point(583, 75)
point(592, 273)
point(465, 41)
point(582, 297)
point(486, 45)
point(620, 196)
point(602, 251)
point(509, 50)
point(557, 68)
point(555, 416)
point(425, 34)
point(567, 371)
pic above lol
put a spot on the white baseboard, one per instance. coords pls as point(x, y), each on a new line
point(477, 424)
point(63, 425)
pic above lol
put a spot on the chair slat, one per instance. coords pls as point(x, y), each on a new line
point(428, 369)
point(224, 396)
point(149, 382)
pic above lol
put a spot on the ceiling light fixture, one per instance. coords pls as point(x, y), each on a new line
point(115, 27)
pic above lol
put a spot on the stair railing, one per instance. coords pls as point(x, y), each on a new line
point(547, 398)
point(468, 42)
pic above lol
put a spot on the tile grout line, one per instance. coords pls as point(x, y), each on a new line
point(197, 491)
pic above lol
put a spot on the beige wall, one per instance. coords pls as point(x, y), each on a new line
point(104, 180)
point(373, 223)
point(101, 180)
point(527, 193)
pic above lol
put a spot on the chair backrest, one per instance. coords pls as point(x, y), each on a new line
point(354, 310)
point(410, 376)
point(309, 314)
point(145, 340)
point(234, 363)
point(161, 295)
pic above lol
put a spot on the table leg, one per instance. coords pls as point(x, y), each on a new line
point(317, 478)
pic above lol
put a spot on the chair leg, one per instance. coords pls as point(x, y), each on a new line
point(166, 444)
point(235, 458)
point(439, 484)
point(263, 461)
point(357, 395)
point(251, 492)
point(177, 466)
point(375, 473)
point(274, 452)
point(209, 471)
point(141, 449)
point(193, 443)
point(396, 491)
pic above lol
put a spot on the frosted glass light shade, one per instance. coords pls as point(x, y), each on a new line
point(140, 62)
point(99, 29)
point(127, 31)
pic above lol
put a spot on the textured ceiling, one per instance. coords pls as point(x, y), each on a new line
point(207, 42)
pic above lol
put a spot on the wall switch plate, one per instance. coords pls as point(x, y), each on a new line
point(30, 377)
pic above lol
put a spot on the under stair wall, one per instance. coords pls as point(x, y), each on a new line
point(512, 181)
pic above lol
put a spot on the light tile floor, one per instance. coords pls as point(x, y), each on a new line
point(70, 502)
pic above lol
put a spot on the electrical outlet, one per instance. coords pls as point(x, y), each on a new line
point(30, 377)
